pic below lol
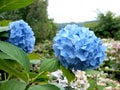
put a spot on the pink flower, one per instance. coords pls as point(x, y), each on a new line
point(116, 46)
point(113, 52)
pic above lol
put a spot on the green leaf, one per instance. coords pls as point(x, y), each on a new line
point(4, 56)
point(2, 29)
point(92, 72)
point(8, 67)
point(61, 88)
point(68, 74)
point(100, 87)
point(111, 84)
point(49, 65)
point(5, 22)
point(12, 85)
point(32, 74)
point(43, 78)
point(34, 56)
point(16, 54)
point(92, 83)
point(45, 87)
point(6, 5)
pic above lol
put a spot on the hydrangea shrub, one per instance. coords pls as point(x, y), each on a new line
point(21, 35)
point(78, 48)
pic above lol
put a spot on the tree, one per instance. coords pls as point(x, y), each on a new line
point(108, 25)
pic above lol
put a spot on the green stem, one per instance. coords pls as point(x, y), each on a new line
point(37, 76)
point(33, 80)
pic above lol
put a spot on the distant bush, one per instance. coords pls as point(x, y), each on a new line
point(91, 24)
point(106, 26)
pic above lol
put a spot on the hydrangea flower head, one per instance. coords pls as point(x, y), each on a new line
point(21, 35)
point(78, 48)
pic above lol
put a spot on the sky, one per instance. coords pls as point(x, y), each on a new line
point(80, 10)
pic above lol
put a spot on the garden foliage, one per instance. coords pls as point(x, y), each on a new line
point(106, 26)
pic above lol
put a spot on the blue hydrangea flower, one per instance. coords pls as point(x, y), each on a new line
point(78, 48)
point(21, 35)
